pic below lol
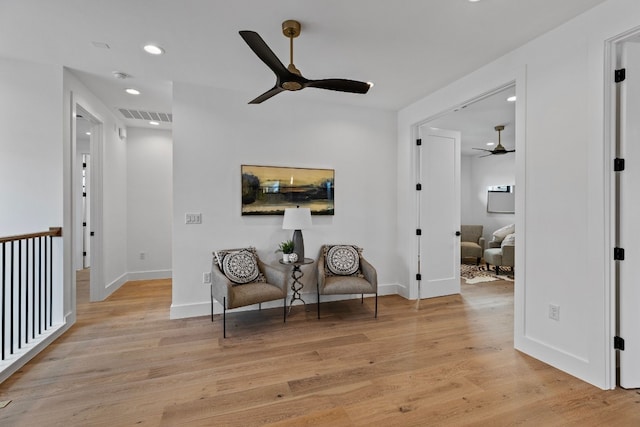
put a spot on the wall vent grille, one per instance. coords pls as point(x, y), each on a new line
point(146, 115)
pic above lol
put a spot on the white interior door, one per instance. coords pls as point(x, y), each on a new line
point(439, 211)
point(628, 225)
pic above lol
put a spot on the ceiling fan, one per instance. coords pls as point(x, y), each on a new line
point(499, 148)
point(290, 78)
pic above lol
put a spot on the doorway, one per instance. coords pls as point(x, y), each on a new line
point(87, 203)
point(480, 170)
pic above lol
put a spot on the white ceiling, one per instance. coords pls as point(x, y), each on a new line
point(476, 122)
point(408, 48)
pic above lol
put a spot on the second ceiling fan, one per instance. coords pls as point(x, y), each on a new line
point(499, 148)
point(290, 78)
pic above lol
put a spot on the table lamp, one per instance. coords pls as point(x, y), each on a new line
point(297, 219)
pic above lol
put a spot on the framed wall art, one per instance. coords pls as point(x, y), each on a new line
point(268, 190)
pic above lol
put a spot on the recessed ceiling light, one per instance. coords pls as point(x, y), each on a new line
point(154, 123)
point(87, 133)
point(132, 91)
point(153, 49)
point(473, 1)
point(511, 98)
point(491, 143)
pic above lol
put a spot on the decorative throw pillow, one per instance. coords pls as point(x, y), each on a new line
point(342, 260)
point(240, 265)
point(501, 233)
point(510, 240)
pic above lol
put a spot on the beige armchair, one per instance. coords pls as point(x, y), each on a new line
point(501, 254)
point(471, 242)
point(262, 282)
point(345, 272)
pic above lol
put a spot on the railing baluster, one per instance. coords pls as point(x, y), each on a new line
point(11, 301)
point(4, 282)
point(50, 281)
point(19, 294)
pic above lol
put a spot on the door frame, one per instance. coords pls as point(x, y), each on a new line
point(611, 132)
point(96, 280)
point(519, 82)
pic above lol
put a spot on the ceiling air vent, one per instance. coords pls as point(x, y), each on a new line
point(146, 115)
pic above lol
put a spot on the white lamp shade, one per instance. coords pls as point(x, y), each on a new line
point(296, 219)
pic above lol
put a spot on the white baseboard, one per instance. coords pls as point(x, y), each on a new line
point(115, 285)
point(149, 275)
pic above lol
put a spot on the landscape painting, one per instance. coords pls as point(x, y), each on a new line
point(268, 190)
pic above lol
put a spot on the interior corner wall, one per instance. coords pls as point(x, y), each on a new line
point(561, 175)
point(149, 203)
point(484, 172)
point(215, 131)
point(114, 186)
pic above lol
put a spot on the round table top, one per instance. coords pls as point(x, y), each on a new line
point(303, 262)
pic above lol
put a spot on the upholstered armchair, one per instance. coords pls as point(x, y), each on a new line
point(343, 270)
point(501, 253)
point(239, 278)
point(471, 242)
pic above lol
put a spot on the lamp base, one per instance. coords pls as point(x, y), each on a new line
point(298, 244)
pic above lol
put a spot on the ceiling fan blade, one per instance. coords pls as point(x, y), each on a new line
point(342, 85)
point(260, 48)
point(268, 94)
point(483, 149)
point(486, 155)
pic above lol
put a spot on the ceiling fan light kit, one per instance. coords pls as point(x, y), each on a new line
point(499, 148)
point(290, 78)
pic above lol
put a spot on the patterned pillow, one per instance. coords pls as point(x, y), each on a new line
point(342, 260)
point(240, 265)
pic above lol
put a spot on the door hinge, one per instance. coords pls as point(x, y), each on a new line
point(84, 254)
point(620, 75)
point(84, 165)
point(618, 343)
point(618, 254)
point(418, 276)
point(419, 232)
point(418, 141)
point(91, 233)
point(84, 224)
point(418, 187)
point(618, 165)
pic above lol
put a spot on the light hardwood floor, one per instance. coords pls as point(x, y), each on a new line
point(449, 361)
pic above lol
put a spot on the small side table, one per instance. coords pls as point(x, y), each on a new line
point(296, 275)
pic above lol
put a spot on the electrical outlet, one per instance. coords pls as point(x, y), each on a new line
point(206, 277)
point(554, 312)
point(143, 255)
point(193, 218)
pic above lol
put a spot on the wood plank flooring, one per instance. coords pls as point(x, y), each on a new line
point(447, 362)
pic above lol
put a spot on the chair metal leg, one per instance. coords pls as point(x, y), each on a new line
point(376, 315)
point(212, 307)
point(224, 317)
point(477, 261)
point(284, 305)
point(318, 302)
point(362, 296)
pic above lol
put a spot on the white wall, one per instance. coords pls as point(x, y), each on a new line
point(484, 172)
point(31, 196)
point(215, 131)
point(559, 162)
point(149, 203)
